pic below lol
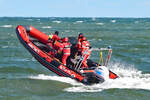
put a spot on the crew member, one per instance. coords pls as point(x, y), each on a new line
point(85, 51)
point(65, 49)
point(78, 45)
point(53, 38)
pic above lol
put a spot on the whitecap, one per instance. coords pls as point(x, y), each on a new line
point(5, 46)
point(56, 21)
point(99, 23)
point(113, 21)
point(67, 30)
point(38, 19)
point(6, 26)
point(91, 39)
point(29, 19)
point(136, 22)
point(79, 21)
point(46, 27)
point(93, 19)
point(21, 59)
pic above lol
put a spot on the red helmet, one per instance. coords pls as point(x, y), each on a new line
point(65, 39)
point(83, 38)
point(80, 35)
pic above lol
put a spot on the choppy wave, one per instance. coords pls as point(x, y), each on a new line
point(29, 19)
point(46, 27)
point(78, 22)
point(56, 21)
point(113, 21)
point(90, 40)
point(6, 46)
point(136, 22)
point(99, 23)
point(93, 19)
point(130, 78)
point(38, 19)
point(6, 26)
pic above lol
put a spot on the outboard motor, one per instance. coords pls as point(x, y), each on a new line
point(101, 73)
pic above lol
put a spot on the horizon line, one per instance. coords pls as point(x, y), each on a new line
point(70, 17)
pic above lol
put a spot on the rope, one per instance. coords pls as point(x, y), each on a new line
point(101, 59)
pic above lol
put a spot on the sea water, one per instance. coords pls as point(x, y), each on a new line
point(23, 78)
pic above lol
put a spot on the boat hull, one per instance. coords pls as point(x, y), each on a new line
point(25, 35)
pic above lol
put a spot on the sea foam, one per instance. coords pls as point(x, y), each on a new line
point(129, 78)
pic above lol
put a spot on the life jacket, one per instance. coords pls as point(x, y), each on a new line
point(54, 37)
point(78, 45)
point(66, 48)
point(56, 45)
point(85, 45)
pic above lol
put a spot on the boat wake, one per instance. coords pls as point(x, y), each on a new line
point(55, 78)
point(130, 78)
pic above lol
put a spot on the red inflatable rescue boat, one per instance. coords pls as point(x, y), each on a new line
point(36, 43)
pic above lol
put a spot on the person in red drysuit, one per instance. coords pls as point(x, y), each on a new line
point(78, 45)
point(65, 49)
point(51, 42)
point(85, 51)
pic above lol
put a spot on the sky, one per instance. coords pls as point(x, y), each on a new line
point(74, 8)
